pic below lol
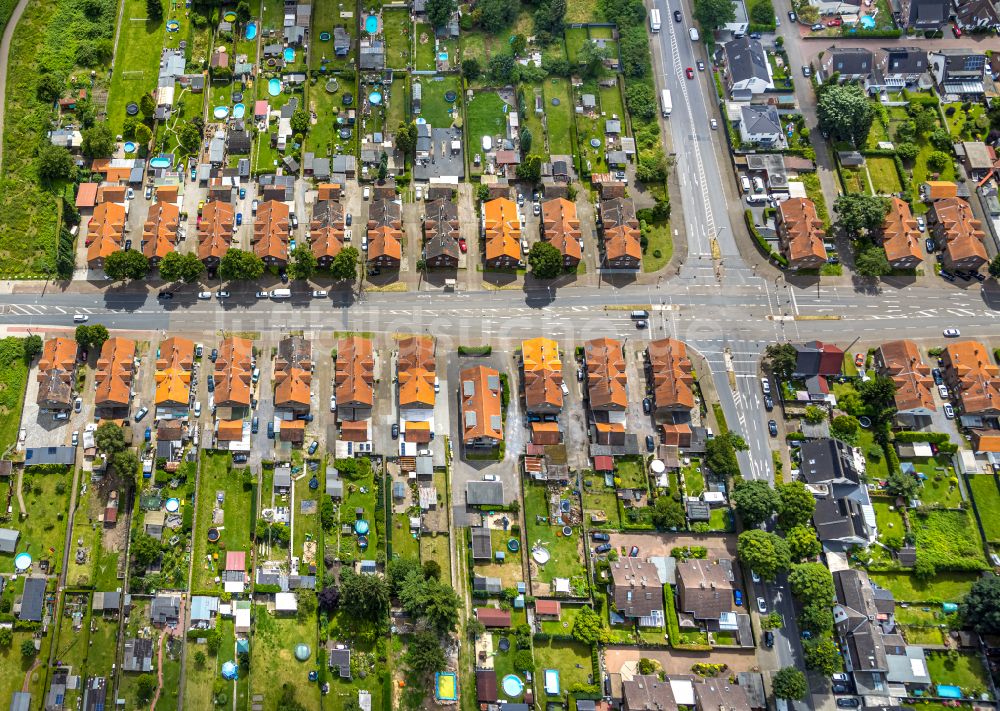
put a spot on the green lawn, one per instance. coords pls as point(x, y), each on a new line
point(326, 16)
point(694, 478)
point(924, 635)
point(855, 180)
point(404, 545)
point(612, 104)
point(925, 616)
point(972, 125)
point(945, 587)
point(137, 59)
point(576, 37)
point(14, 666)
point(659, 247)
point(355, 498)
point(720, 519)
point(875, 462)
point(216, 476)
point(564, 625)
point(71, 643)
point(566, 560)
point(510, 570)
point(570, 658)
point(598, 497)
point(367, 660)
point(434, 108)
point(940, 485)
point(815, 193)
point(199, 679)
point(398, 108)
point(581, 11)
point(885, 177)
point(103, 645)
point(306, 525)
point(630, 472)
point(888, 517)
point(100, 569)
point(273, 662)
point(589, 128)
point(398, 37)
point(485, 116)
point(13, 380)
point(987, 500)
point(437, 547)
point(424, 37)
point(559, 119)
point(43, 522)
point(323, 139)
point(947, 537)
point(963, 669)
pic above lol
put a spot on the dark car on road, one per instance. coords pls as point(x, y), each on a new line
point(650, 443)
point(165, 295)
point(677, 15)
point(938, 377)
point(395, 431)
point(647, 405)
point(841, 688)
point(772, 427)
point(768, 403)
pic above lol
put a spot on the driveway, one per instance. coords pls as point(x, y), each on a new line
point(43, 429)
point(676, 661)
point(660, 544)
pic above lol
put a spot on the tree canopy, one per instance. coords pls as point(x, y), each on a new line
point(845, 113)
point(439, 12)
point(668, 513)
point(981, 606)
point(812, 583)
point(366, 595)
point(126, 264)
point(790, 684)
point(713, 14)
point(545, 260)
point(178, 266)
point(822, 655)
point(795, 504)
point(91, 336)
point(588, 627)
point(781, 358)
point(345, 265)
point(765, 553)
point(54, 163)
point(755, 501)
point(495, 15)
point(802, 543)
point(303, 262)
point(98, 141)
point(858, 213)
point(240, 265)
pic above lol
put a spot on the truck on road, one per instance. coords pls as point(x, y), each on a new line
point(665, 103)
point(654, 20)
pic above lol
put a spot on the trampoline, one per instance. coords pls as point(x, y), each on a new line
point(274, 86)
point(567, 531)
point(555, 101)
point(450, 97)
point(512, 685)
point(173, 25)
point(213, 535)
point(220, 112)
point(289, 54)
point(371, 24)
point(172, 505)
point(132, 108)
point(361, 527)
point(129, 147)
point(446, 686)
point(324, 36)
point(22, 561)
point(302, 651)
point(362, 542)
point(595, 142)
point(540, 555)
point(348, 99)
point(237, 97)
point(513, 545)
point(313, 484)
point(251, 30)
point(159, 162)
point(313, 675)
point(504, 644)
point(375, 98)
point(239, 111)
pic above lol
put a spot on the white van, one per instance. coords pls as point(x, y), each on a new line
point(758, 185)
point(281, 293)
point(745, 183)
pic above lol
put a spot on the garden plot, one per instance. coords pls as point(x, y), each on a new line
point(232, 520)
point(565, 551)
point(435, 108)
point(273, 665)
point(987, 501)
point(398, 33)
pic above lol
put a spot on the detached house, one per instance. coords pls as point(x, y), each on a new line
point(901, 236)
point(849, 64)
point(440, 225)
point(543, 379)
point(958, 233)
point(560, 227)
point(800, 234)
point(672, 376)
point(293, 368)
point(482, 419)
point(760, 125)
point(385, 234)
point(900, 360)
point(898, 68)
point(271, 233)
point(105, 233)
point(355, 377)
point(502, 228)
point(215, 232)
point(56, 374)
point(922, 14)
point(159, 232)
point(637, 591)
point(115, 371)
point(620, 234)
point(977, 15)
point(747, 70)
point(326, 231)
point(705, 589)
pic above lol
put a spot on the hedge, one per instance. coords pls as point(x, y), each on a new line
point(761, 242)
point(475, 350)
point(932, 437)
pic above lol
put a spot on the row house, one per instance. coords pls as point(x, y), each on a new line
point(901, 361)
point(901, 236)
point(620, 234)
point(441, 234)
point(159, 232)
point(215, 232)
point(116, 368)
point(354, 375)
point(502, 231)
point(105, 233)
point(958, 234)
point(174, 366)
point(560, 227)
point(293, 368)
point(416, 375)
point(56, 374)
point(271, 233)
point(800, 234)
point(326, 231)
point(385, 234)
point(482, 418)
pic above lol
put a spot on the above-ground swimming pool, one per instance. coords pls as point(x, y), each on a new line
point(159, 162)
point(375, 98)
point(371, 24)
point(442, 56)
point(22, 561)
point(251, 30)
point(239, 110)
point(361, 527)
point(289, 54)
point(172, 505)
point(446, 686)
point(129, 147)
point(229, 17)
point(512, 685)
point(173, 25)
point(324, 36)
point(274, 86)
point(868, 22)
point(220, 112)
point(540, 555)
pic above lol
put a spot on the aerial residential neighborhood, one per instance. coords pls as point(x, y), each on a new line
point(500, 356)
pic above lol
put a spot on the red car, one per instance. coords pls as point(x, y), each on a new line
point(835, 22)
point(956, 30)
point(690, 73)
point(859, 359)
point(462, 245)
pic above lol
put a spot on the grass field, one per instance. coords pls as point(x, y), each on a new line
point(566, 560)
point(137, 58)
point(885, 177)
point(945, 587)
point(398, 108)
point(940, 485)
point(576, 37)
point(398, 37)
point(100, 568)
point(14, 666)
point(436, 547)
point(969, 125)
point(198, 679)
point(306, 525)
point(434, 108)
point(485, 116)
point(559, 119)
point(326, 16)
point(964, 670)
point(987, 500)
point(570, 658)
point(71, 642)
point(367, 650)
point(600, 498)
point(659, 248)
point(424, 39)
point(13, 380)
point(354, 498)
point(43, 522)
point(947, 537)
point(273, 662)
point(694, 478)
point(855, 180)
point(217, 476)
point(323, 139)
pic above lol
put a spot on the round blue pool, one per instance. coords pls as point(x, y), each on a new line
point(129, 147)
point(274, 86)
point(512, 685)
point(371, 24)
point(868, 22)
point(239, 110)
point(375, 98)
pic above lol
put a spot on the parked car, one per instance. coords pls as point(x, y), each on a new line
point(198, 350)
point(768, 638)
point(951, 333)
point(204, 295)
point(641, 323)
point(806, 70)
point(849, 703)
point(949, 411)
point(143, 411)
point(462, 246)
point(395, 431)
point(213, 355)
point(835, 22)
point(792, 16)
point(239, 219)
point(78, 404)
point(647, 405)
point(943, 391)
point(701, 66)
point(262, 294)
point(75, 441)
point(598, 536)
point(762, 605)
point(768, 403)
point(755, 35)
point(938, 376)
point(333, 403)
point(840, 676)
point(319, 293)
point(714, 124)
point(946, 275)
point(148, 434)
point(255, 424)
point(307, 417)
point(738, 598)
point(921, 224)
point(929, 245)
point(270, 430)
point(633, 552)
point(313, 446)
point(817, 27)
point(650, 443)
point(765, 386)
point(197, 408)
point(840, 688)
point(165, 295)
point(536, 209)
point(243, 193)
point(754, 577)
point(859, 360)
point(772, 427)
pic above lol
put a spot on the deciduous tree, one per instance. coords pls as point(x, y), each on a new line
point(98, 141)
point(303, 262)
point(439, 12)
point(668, 513)
point(54, 163)
point(126, 264)
point(858, 213)
point(981, 606)
point(795, 504)
point(765, 553)
point(345, 265)
point(781, 358)
point(240, 265)
point(802, 543)
point(755, 501)
point(178, 266)
point(790, 684)
point(845, 113)
point(545, 260)
point(713, 14)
